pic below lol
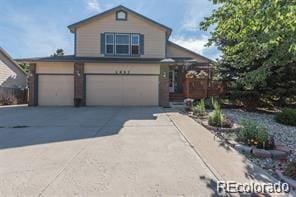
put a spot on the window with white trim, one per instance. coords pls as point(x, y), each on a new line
point(135, 44)
point(122, 46)
point(109, 44)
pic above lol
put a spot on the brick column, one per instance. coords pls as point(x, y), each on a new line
point(164, 86)
point(79, 83)
point(33, 85)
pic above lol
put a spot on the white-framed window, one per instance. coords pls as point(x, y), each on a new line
point(135, 44)
point(122, 44)
point(109, 44)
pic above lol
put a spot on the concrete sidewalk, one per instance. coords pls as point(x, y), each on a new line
point(225, 162)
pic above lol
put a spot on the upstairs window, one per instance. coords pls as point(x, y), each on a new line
point(121, 15)
point(109, 45)
point(135, 44)
point(122, 44)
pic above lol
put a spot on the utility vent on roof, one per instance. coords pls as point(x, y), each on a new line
point(121, 15)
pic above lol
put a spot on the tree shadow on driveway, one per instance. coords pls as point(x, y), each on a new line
point(24, 126)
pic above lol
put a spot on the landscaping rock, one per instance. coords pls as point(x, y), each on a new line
point(243, 149)
point(261, 153)
point(283, 149)
point(277, 143)
point(283, 134)
point(280, 155)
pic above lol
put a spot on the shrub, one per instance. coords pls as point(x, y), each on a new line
point(200, 109)
point(216, 117)
point(248, 131)
point(290, 169)
point(6, 99)
point(253, 134)
point(209, 102)
point(262, 135)
point(287, 117)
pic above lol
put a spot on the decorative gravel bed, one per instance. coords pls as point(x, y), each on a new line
point(282, 133)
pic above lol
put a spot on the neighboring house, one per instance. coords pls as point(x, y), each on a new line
point(11, 75)
point(121, 58)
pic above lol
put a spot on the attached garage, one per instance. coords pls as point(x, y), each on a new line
point(123, 90)
point(55, 83)
point(56, 90)
point(122, 85)
point(95, 84)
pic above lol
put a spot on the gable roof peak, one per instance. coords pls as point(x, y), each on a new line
point(73, 26)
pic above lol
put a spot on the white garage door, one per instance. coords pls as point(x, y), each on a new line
point(127, 90)
point(55, 90)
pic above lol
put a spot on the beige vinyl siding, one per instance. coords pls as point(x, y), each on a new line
point(174, 51)
point(111, 68)
point(88, 35)
point(55, 68)
point(10, 75)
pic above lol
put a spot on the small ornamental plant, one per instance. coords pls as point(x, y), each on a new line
point(254, 135)
point(217, 119)
point(199, 109)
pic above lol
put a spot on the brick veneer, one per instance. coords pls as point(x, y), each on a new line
point(33, 85)
point(164, 86)
point(79, 82)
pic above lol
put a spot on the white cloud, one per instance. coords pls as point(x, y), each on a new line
point(194, 44)
point(197, 45)
point(93, 5)
point(195, 13)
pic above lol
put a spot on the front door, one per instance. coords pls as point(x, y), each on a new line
point(173, 81)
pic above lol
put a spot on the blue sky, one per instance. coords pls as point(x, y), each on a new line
point(34, 28)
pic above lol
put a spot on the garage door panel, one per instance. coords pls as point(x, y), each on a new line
point(56, 90)
point(103, 90)
point(140, 90)
point(126, 90)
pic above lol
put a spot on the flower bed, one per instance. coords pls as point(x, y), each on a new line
point(265, 147)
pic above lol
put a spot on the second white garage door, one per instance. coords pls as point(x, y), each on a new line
point(126, 90)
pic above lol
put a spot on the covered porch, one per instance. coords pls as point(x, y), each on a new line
point(190, 79)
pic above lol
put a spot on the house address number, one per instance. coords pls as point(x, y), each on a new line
point(122, 72)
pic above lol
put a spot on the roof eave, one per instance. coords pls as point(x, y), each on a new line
point(11, 60)
point(190, 51)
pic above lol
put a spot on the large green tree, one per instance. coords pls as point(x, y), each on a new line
point(258, 43)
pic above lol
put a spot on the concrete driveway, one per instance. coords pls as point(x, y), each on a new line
point(97, 151)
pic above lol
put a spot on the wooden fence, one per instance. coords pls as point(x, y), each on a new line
point(13, 96)
point(197, 88)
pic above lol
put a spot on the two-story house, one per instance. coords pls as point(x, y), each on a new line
point(121, 58)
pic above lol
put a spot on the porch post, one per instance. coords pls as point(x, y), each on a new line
point(79, 84)
point(33, 85)
point(164, 86)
